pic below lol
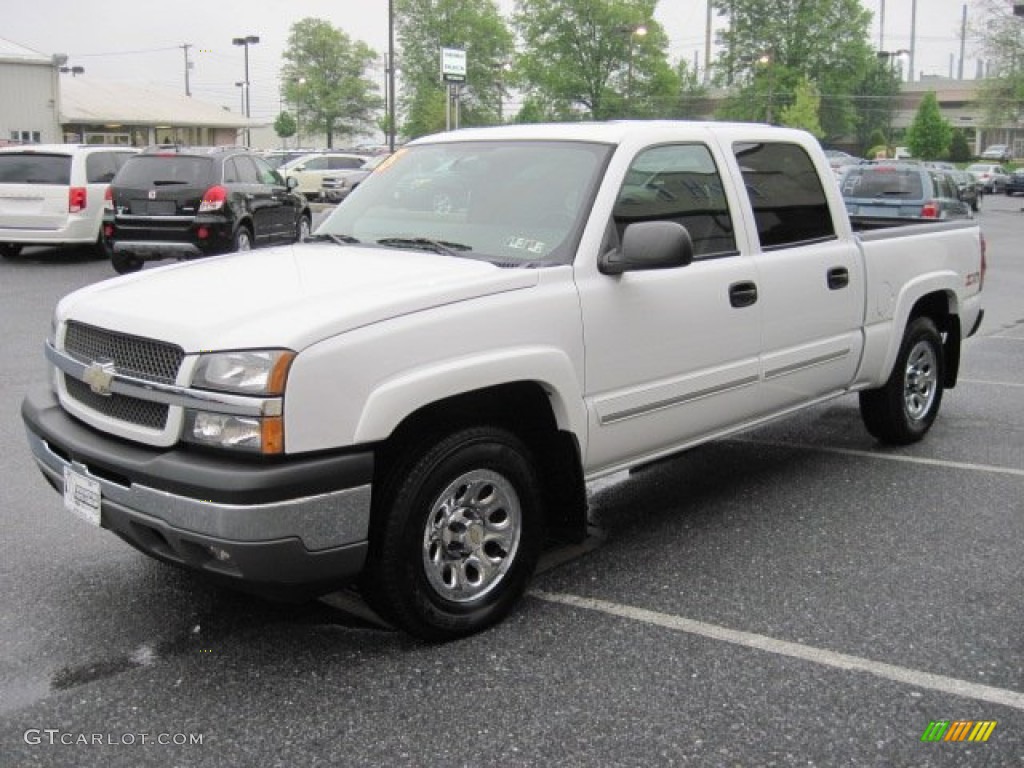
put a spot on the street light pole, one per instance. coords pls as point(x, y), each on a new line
point(391, 75)
point(633, 32)
point(245, 42)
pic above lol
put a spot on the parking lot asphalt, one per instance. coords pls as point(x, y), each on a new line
point(795, 595)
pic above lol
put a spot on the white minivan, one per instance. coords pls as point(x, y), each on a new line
point(52, 194)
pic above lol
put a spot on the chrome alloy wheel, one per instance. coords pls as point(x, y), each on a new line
point(920, 380)
point(472, 535)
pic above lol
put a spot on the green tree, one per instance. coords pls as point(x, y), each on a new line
point(596, 58)
point(424, 28)
point(285, 126)
point(803, 112)
point(929, 135)
point(1002, 38)
point(325, 76)
point(770, 46)
point(959, 149)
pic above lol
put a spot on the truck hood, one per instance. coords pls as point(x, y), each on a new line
point(290, 296)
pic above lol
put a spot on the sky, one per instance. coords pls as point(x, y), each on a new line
point(138, 42)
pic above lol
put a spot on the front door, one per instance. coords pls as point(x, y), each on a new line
point(672, 355)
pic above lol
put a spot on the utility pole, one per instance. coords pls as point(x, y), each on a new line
point(707, 47)
point(913, 38)
point(963, 44)
point(188, 65)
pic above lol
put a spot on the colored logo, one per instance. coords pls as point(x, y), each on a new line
point(958, 730)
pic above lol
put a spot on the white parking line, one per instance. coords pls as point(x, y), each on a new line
point(814, 655)
point(992, 383)
point(1012, 471)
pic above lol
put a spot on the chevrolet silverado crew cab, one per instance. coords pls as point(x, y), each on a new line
point(414, 398)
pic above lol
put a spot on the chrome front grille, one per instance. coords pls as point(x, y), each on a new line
point(144, 413)
point(133, 356)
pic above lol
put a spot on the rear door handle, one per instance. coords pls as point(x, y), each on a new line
point(838, 277)
point(743, 294)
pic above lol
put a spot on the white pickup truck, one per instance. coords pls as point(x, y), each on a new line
point(415, 397)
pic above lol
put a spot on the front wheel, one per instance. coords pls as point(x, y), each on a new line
point(902, 411)
point(456, 536)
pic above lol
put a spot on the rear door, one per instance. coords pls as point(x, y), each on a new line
point(241, 175)
point(811, 283)
point(287, 206)
point(34, 190)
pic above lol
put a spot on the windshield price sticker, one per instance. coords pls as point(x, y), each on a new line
point(82, 496)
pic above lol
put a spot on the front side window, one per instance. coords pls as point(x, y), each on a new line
point(678, 182)
point(515, 203)
point(785, 192)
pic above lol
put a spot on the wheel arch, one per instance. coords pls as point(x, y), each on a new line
point(941, 308)
point(523, 408)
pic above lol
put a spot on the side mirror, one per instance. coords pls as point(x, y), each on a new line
point(291, 182)
point(649, 245)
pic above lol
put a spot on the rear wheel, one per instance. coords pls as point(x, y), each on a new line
point(456, 535)
point(123, 263)
point(902, 411)
point(9, 250)
point(302, 229)
point(242, 240)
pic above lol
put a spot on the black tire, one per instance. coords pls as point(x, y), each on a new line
point(242, 241)
point(902, 411)
point(458, 527)
point(303, 228)
point(10, 250)
point(100, 250)
point(125, 264)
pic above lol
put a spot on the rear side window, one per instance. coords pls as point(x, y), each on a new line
point(786, 195)
point(161, 170)
point(31, 168)
point(240, 169)
point(884, 181)
point(678, 182)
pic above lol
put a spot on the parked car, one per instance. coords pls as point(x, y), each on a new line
point(992, 177)
point(968, 187)
point(1000, 153)
point(277, 158)
point(309, 171)
point(1015, 183)
point(902, 191)
point(184, 202)
point(52, 194)
point(336, 188)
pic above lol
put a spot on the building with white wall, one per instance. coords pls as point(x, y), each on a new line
point(29, 96)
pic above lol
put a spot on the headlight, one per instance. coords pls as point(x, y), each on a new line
point(252, 372)
point(260, 373)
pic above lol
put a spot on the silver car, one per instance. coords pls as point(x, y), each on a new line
point(990, 176)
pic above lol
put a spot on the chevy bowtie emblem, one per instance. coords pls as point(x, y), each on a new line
point(99, 376)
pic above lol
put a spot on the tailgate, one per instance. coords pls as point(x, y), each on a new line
point(34, 190)
point(33, 206)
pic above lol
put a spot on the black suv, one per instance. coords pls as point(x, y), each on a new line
point(185, 202)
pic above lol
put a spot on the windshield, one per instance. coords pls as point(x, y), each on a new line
point(511, 202)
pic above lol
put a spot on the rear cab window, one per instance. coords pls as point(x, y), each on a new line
point(786, 195)
point(34, 168)
point(883, 181)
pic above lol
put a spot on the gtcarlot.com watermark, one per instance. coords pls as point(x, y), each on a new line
point(55, 737)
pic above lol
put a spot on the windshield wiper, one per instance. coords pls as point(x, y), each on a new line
point(444, 247)
point(338, 239)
